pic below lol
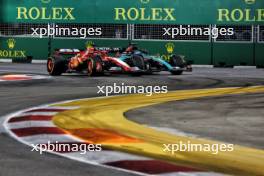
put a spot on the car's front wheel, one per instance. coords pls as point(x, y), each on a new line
point(95, 66)
point(178, 61)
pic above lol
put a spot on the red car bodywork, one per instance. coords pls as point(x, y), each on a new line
point(93, 52)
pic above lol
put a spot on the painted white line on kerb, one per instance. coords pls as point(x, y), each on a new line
point(68, 138)
point(38, 114)
point(29, 124)
point(2, 129)
point(93, 158)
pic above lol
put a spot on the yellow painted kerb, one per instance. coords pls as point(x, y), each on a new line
point(102, 120)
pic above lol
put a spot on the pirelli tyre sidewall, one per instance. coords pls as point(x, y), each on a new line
point(95, 66)
point(56, 65)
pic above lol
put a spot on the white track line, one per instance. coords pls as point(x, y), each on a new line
point(2, 129)
point(42, 139)
point(28, 124)
point(37, 113)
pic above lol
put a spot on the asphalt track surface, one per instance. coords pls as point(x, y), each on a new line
point(241, 116)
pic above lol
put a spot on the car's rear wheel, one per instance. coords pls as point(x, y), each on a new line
point(139, 61)
point(95, 66)
point(178, 72)
point(177, 61)
point(56, 66)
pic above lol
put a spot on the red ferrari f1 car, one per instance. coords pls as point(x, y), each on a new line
point(92, 60)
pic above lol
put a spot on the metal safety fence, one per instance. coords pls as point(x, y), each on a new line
point(69, 31)
point(242, 34)
point(140, 32)
point(260, 34)
point(156, 32)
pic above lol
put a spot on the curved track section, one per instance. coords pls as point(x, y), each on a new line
point(93, 121)
point(17, 159)
point(34, 126)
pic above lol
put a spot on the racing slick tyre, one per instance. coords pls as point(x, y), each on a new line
point(95, 66)
point(178, 72)
point(56, 66)
point(177, 61)
point(138, 61)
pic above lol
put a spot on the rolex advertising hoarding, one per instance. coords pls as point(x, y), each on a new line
point(125, 20)
point(135, 12)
